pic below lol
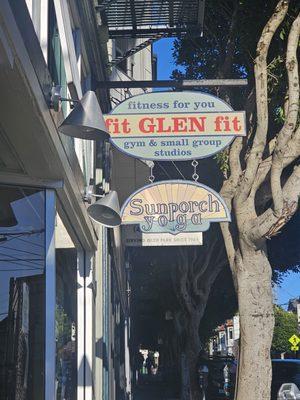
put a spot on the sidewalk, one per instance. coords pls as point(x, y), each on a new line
point(152, 391)
point(148, 392)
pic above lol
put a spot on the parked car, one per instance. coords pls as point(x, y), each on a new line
point(284, 371)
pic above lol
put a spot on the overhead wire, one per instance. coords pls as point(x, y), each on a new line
point(15, 259)
point(21, 259)
point(2, 242)
point(180, 173)
point(25, 233)
point(163, 169)
point(290, 294)
point(20, 264)
point(34, 244)
point(22, 251)
point(20, 270)
point(23, 267)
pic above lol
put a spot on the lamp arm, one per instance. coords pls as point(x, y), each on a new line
point(56, 98)
point(87, 198)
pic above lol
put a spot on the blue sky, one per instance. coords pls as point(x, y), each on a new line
point(163, 49)
point(290, 286)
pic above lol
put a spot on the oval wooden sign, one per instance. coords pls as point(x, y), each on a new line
point(174, 126)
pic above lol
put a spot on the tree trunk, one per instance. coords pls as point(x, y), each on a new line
point(190, 386)
point(185, 378)
point(253, 279)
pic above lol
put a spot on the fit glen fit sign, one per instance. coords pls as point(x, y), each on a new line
point(174, 207)
point(174, 126)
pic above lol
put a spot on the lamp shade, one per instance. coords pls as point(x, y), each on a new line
point(106, 211)
point(85, 121)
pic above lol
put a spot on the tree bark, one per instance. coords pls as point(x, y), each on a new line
point(256, 323)
point(245, 239)
point(190, 386)
point(185, 377)
point(192, 285)
point(193, 353)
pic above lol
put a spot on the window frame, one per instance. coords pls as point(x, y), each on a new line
point(50, 212)
point(85, 303)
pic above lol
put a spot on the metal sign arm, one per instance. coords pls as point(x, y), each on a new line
point(172, 83)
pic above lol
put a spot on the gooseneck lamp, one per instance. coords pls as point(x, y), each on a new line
point(106, 210)
point(86, 120)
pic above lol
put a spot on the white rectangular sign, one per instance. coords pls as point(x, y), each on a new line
point(134, 238)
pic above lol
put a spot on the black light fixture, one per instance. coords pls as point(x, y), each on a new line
point(106, 211)
point(86, 120)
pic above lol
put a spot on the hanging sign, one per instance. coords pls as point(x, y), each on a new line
point(174, 207)
point(174, 125)
point(133, 237)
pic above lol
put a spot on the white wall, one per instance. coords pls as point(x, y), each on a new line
point(142, 69)
point(236, 327)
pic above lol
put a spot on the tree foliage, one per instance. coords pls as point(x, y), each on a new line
point(286, 325)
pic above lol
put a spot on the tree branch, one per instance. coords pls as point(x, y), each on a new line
point(292, 148)
point(291, 118)
point(229, 244)
point(261, 84)
point(204, 265)
point(262, 173)
point(183, 266)
point(268, 224)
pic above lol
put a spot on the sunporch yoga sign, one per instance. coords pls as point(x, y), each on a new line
point(174, 126)
point(174, 207)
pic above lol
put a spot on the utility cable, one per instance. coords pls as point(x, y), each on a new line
point(163, 169)
point(180, 173)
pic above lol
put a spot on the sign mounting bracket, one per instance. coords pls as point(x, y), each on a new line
point(180, 84)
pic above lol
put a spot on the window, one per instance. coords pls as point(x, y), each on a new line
point(85, 75)
point(65, 314)
point(154, 67)
point(55, 57)
point(230, 334)
point(22, 293)
point(123, 64)
point(132, 70)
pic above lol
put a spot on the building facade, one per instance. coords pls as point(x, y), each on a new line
point(64, 322)
point(225, 340)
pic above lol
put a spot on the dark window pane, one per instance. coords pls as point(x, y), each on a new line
point(55, 56)
point(22, 292)
point(66, 314)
